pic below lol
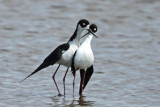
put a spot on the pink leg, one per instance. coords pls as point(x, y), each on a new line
point(55, 80)
point(74, 83)
point(64, 80)
point(83, 81)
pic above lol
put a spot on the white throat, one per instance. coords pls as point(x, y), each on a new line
point(88, 39)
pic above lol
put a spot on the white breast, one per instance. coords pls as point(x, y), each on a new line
point(67, 56)
point(84, 57)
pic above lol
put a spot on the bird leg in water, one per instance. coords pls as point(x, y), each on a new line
point(55, 80)
point(74, 83)
point(64, 80)
point(83, 81)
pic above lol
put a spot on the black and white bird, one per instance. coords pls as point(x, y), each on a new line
point(63, 54)
point(83, 59)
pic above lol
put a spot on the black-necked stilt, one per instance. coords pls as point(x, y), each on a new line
point(83, 59)
point(63, 54)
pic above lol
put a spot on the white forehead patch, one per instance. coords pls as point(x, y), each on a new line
point(95, 29)
point(83, 23)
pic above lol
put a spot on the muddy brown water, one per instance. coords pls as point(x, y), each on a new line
point(127, 53)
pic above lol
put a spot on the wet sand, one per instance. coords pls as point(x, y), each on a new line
point(127, 53)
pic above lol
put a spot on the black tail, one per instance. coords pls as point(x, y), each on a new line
point(43, 65)
point(88, 75)
point(51, 59)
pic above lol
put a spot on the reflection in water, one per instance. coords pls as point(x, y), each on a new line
point(81, 101)
point(64, 101)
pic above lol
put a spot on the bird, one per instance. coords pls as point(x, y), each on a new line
point(83, 59)
point(63, 54)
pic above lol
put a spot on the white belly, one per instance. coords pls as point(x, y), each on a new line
point(67, 56)
point(84, 58)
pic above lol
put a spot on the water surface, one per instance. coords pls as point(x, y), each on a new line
point(127, 53)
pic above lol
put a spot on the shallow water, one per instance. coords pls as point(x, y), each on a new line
point(127, 53)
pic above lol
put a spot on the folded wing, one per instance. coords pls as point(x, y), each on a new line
point(51, 59)
point(88, 75)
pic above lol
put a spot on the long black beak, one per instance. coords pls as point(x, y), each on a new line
point(89, 31)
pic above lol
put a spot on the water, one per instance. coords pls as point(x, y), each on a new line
point(127, 53)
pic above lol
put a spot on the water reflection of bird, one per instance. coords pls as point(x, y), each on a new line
point(83, 59)
point(67, 102)
point(63, 54)
point(83, 102)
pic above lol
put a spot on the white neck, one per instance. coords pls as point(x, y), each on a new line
point(87, 41)
point(89, 38)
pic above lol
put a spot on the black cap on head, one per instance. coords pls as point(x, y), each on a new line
point(83, 23)
point(93, 28)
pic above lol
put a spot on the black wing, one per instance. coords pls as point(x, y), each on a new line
point(73, 69)
point(88, 75)
point(51, 59)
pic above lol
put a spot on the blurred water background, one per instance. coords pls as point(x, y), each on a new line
point(127, 53)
